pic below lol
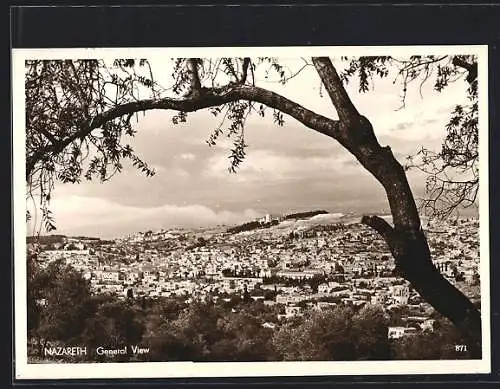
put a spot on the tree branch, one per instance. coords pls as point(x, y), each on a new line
point(457, 61)
point(358, 137)
point(470, 67)
point(246, 63)
point(333, 84)
point(192, 65)
point(211, 97)
point(379, 225)
point(48, 135)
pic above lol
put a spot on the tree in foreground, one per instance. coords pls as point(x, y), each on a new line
point(59, 303)
point(204, 332)
point(339, 334)
point(78, 113)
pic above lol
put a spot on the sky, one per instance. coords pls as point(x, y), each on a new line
point(287, 169)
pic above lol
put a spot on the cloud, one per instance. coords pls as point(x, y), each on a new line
point(403, 126)
point(188, 156)
point(99, 217)
point(269, 165)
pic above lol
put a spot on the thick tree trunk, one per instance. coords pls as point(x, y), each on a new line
point(406, 239)
point(413, 262)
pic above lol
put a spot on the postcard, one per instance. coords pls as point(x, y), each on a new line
point(250, 211)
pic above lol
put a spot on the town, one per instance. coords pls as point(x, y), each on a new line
point(301, 262)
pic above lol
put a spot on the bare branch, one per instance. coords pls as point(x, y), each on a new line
point(379, 225)
point(227, 62)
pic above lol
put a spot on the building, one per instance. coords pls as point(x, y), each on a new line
point(400, 294)
point(266, 219)
point(400, 332)
point(379, 298)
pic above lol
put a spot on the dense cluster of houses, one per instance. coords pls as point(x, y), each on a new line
point(312, 268)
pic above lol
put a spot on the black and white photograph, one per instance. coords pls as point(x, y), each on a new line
point(197, 212)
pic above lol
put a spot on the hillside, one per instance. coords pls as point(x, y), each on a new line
point(51, 239)
point(47, 239)
point(285, 227)
point(304, 215)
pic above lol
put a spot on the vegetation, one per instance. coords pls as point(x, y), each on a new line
point(46, 239)
point(212, 331)
point(253, 225)
point(304, 215)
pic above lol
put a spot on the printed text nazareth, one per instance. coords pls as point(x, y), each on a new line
point(65, 351)
point(80, 351)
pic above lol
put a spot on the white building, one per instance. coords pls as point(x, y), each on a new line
point(400, 332)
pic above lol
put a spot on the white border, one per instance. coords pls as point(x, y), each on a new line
point(23, 370)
